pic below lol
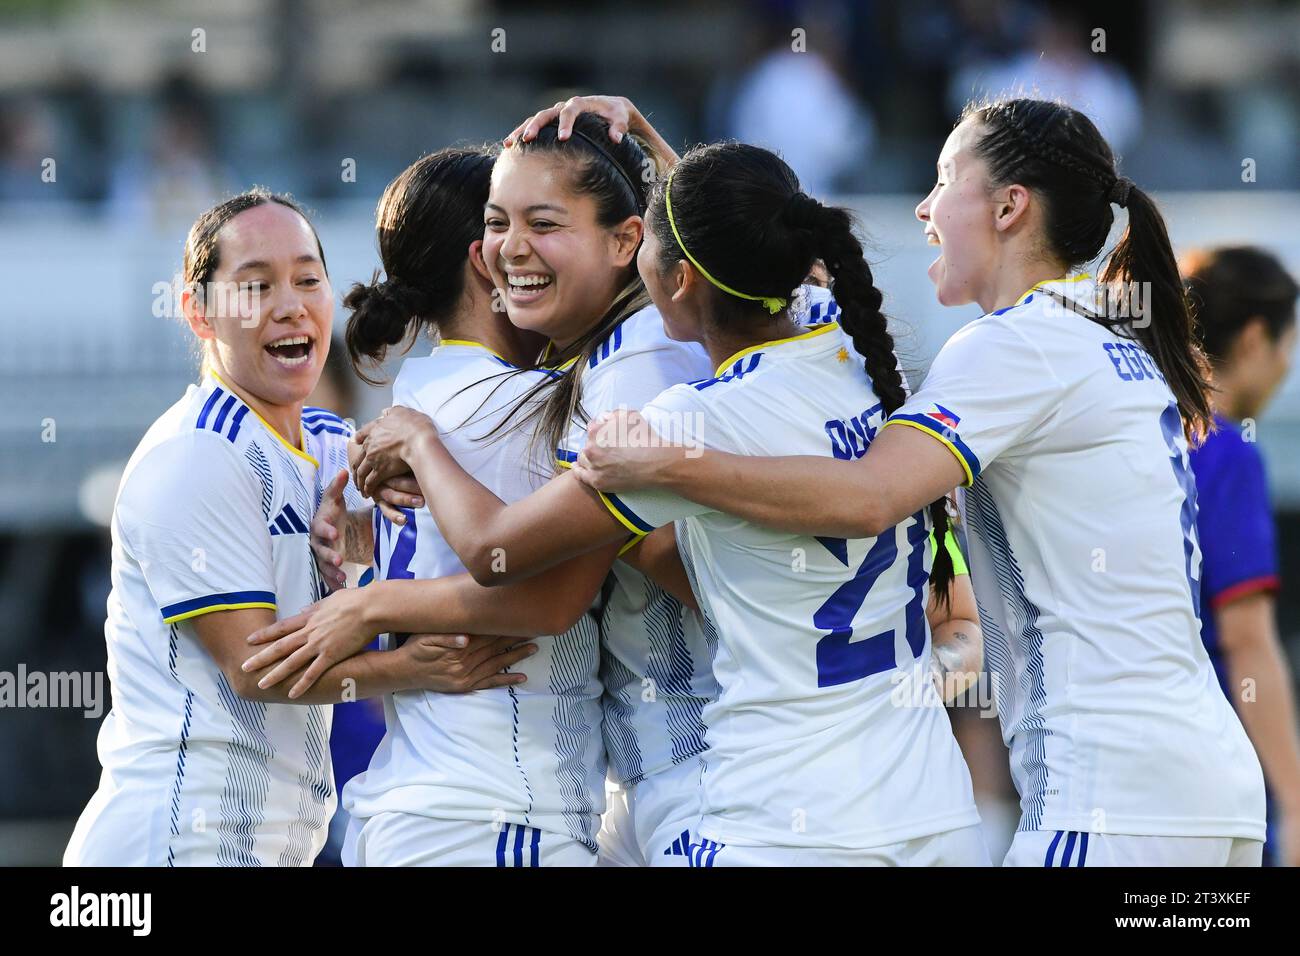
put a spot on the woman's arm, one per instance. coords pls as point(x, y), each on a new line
point(622, 115)
point(1255, 659)
point(497, 543)
point(434, 662)
point(956, 640)
point(902, 472)
point(306, 646)
point(656, 556)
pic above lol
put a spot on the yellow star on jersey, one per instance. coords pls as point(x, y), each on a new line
point(842, 355)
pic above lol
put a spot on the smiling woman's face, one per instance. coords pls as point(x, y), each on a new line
point(959, 220)
point(268, 308)
point(557, 268)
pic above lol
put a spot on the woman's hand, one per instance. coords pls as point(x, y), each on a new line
point(318, 637)
point(622, 115)
point(478, 664)
point(386, 444)
point(399, 492)
point(618, 110)
point(326, 532)
point(624, 452)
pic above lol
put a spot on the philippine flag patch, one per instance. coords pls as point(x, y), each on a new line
point(943, 416)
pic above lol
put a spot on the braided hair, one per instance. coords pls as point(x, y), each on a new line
point(1057, 152)
point(740, 209)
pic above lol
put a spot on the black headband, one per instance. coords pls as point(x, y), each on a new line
point(609, 157)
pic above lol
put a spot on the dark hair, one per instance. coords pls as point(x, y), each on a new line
point(741, 213)
point(1229, 286)
point(617, 176)
point(202, 256)
point(1057, 152)
point(425, 222)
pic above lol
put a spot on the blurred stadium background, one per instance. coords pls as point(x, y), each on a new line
point(119, 123)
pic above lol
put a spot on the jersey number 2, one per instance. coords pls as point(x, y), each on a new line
point(841, 660)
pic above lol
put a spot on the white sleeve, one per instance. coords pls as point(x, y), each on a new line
point(989, 390)
point(190, 513)
point(332, 440)
point(678, 417)
point(630, 382)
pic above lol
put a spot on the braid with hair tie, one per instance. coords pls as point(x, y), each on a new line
point(860, 301)
point(1120, 190)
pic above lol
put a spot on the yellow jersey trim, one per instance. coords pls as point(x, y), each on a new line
point(197, 612)
point(622, 519)
point(1034, 288)
point(472, 344)
point(300, 452)
point(637, 536)
point(820, 330)
point(965, 466)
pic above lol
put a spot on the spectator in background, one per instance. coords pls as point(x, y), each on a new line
point(1058, 64)
point(794, 101)
point(181, 171)
point(1245, 305)
point(28, 136)
point(358, 726)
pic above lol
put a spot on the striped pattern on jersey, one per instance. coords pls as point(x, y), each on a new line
point(1067, 858)
point(519, 845)
point(575, 654)
point(216, 414)
point(985, 521)
point(703, 853)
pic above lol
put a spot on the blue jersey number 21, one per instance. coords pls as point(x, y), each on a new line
point(841, 660)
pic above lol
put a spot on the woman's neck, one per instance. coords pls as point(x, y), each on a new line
point(723, 343)
point(476, 321)
point(1014, 279)
point(285, 419)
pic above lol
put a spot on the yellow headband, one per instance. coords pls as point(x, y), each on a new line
point(773, 303)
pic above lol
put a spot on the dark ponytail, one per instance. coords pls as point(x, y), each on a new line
point(1058, 153)
point(426, 220)
point(740, 210)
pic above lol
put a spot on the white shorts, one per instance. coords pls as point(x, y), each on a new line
point(409, 839)
point(1074, 848)
point(961, 847)
point(649, 823)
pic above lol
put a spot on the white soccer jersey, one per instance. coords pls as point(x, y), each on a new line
point(1081, 514)
point(529, 754)
point(655, 653)
point(654, 661)
point(826, 732)
point(212, 514)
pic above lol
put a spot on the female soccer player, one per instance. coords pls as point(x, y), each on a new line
point(1067, 429)
point(210, 542)
point(515, 776)
point(562, 228)
point(1244, 302)
point(827, 742)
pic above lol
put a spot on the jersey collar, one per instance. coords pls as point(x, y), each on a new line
point(1064, 280)
point(300, 452)
point(470, 343)
point(761, 346)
